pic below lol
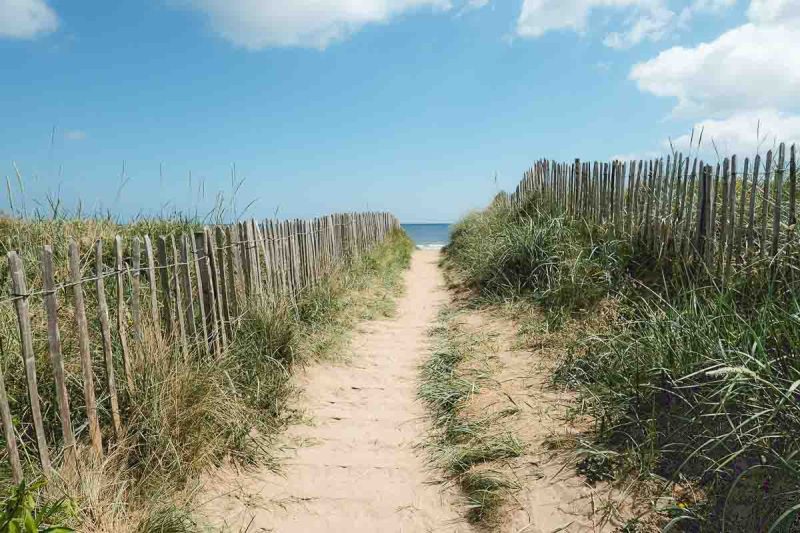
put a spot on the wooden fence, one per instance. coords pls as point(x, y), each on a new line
point(726, 216)
point(186, 289)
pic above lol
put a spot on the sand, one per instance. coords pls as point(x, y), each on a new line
point(358, 463)
point(550, 496)
point(358, 466)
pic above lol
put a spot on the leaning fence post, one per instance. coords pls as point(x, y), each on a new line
point(222, 280)
point(792, 220)
point(203, 297)
point(136, 306)
point(740, 237)
point(765, 205)
point(186, 285)
point(211, 254)
point(725, 192)
point(20, 292)
point(163, 274)
point(56, 357)
point(151, 279)
point(234, 273)
point(776, 221)
point(8, 430)
point(178, 300)
point(751, 217)
point(83, 344)
point(105, 335)
point(122, 327)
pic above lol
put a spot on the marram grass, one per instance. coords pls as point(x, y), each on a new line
point(694, 386)
point(185, 417)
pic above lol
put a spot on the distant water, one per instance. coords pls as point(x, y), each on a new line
point(428, 235)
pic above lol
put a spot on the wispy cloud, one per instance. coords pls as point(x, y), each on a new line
point(473, 5)
point(603, 66)
point(711, 6)
point(641, 20)
point(644, 19)
point(477, 4)
point(75, 135)
point(649, 23)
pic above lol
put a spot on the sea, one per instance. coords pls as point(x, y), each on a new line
point(428, 236)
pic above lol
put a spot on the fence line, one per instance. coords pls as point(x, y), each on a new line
point(714, 216)
point(195, 289)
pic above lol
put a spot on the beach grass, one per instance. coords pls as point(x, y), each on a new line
point(694, 387)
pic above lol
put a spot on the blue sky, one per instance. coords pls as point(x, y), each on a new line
point(412, 106)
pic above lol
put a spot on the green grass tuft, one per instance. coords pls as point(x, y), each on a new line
point(506, 255)
point(460, 445)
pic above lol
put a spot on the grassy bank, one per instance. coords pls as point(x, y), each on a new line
point(693, 386)
point(184, 417)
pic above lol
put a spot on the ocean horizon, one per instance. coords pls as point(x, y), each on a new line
point(428, 236)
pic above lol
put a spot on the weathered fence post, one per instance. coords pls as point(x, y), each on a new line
point(151, 279)
point(19, 291)
point(105, 335)
point(82, 329)
point(8, 430)
point(122, 328)
point(179, 299)
point(56, 357)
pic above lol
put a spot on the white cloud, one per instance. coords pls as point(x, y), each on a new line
point(743, 85)
point(75, 135)
point(257, 24)
point(774, 11)
point(749, 67)
point(744, 133)
point(26, 19)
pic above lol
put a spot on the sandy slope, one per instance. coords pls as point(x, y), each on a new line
point(357, 466)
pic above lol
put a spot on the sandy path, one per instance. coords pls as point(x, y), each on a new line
point(359, 468)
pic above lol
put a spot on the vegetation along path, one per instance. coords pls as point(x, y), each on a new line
point(358, 464)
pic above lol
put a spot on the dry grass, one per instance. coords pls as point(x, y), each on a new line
point(183, 416)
